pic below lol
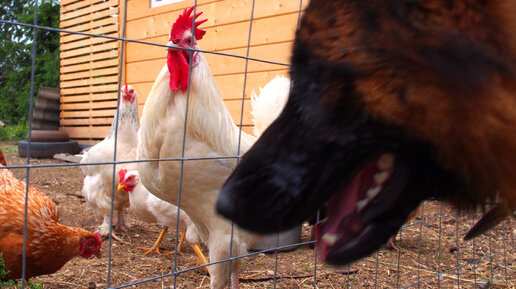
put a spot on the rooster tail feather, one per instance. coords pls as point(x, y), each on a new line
point(268, 105)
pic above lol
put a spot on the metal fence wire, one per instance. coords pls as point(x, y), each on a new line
point(430, 252)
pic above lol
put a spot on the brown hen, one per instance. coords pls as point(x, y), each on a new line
point(50, 245)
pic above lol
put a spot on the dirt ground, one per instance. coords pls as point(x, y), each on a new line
point(429, 244)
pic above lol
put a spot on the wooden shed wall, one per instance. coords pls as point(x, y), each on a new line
point(227, 29)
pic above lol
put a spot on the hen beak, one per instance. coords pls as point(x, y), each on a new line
point(98, 254)
point(121, 186)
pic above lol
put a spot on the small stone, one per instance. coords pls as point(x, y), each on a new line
point(270, 273)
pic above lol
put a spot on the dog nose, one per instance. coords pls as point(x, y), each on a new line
point(225, 206)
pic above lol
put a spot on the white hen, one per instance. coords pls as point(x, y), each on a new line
point(98, 181)
point(150, 209)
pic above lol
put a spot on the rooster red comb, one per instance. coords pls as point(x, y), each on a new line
point(121, 174)
point(184, 23)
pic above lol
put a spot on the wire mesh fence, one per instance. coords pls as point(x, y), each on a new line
point(429, 253)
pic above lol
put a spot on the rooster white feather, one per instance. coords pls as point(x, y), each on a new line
point(210, 134)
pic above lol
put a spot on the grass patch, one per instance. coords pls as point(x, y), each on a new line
point(12, 149)
point(13, 132)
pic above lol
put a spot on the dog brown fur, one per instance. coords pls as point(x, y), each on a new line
point(432, 82)
point(475, 138)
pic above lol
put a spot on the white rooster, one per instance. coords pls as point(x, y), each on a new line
point(151, 209)
point(210, 133)
point(98, 181)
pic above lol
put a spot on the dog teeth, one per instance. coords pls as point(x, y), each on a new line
point(385, 162)
point(361, 204)
point(329, 239)
point(373, 192)
point(380, 177)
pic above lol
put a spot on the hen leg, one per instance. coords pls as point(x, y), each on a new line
point(180, 243)
point(155, 247)
point(390, 244)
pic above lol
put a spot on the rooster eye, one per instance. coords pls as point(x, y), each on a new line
point(175, 41)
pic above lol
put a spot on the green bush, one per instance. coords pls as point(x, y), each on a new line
point(16, 55)
point(3, 273)
point(13, 132)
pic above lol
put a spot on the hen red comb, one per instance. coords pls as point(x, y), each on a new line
point(126, 89)
point(97, 236)
point(184, 23)
point(121, 174)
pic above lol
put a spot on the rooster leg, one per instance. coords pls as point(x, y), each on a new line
point(104, 231)
point(122, 223)
point(104, 228)
point(155, 247)
point(235, 281)
point(201, 259)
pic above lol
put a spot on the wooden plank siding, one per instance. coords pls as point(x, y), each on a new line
point(90, 69)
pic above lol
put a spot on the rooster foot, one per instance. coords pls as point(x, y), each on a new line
point(115, 237)
point(122, 227)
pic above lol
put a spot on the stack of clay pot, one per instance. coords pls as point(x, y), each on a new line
point(46, 138)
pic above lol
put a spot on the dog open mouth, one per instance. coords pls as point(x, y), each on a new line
point(371, 184)
point(361, 216)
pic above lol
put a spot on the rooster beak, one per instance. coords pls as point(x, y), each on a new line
point(121, 186)
point(171, 45)
point(98, 255)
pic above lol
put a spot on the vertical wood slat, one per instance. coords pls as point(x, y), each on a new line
point(89, 68)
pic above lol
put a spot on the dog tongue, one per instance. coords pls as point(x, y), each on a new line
point(342, 208)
